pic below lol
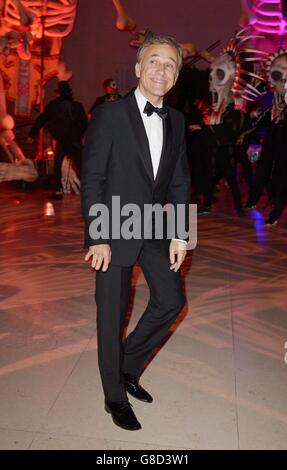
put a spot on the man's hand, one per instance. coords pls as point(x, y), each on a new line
point(177, 253)
point(101, 256)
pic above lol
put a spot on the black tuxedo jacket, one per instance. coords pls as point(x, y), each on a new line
point(117, 162)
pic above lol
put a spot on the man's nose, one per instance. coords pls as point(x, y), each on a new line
point(161, 68)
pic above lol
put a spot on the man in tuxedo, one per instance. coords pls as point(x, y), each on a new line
point(135, 149)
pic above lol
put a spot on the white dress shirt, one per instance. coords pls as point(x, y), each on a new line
point(154, 131)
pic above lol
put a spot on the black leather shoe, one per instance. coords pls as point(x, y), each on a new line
point(56, 196)
point(249, 206)
point(240, 212)
point(122, 415)
point(133, 388)
point(271, 221)
point(203, 211)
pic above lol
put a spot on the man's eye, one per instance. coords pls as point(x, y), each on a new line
point(170, 66)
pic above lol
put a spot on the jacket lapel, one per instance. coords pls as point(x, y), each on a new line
point(139, 132)
point(166, 148)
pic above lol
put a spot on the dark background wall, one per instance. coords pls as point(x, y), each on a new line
point(96, 49)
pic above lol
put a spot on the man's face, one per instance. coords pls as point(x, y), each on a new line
point(158, 70)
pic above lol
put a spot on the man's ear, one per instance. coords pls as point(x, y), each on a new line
point(138, 70)
point(175, 78)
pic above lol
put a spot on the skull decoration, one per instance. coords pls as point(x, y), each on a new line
point(276, 71)
point(222, 75)
point(231, 78)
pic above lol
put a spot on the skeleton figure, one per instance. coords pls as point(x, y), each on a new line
point(59, 16)
point(69, 178)
point(23, 170)
point(18, 167)
point(276, 72)
point(70, 181)
point(20, 45)
point(222, 77)
point(124, 22)
point(231, 78)
point(231, 82)
point(268, 17)
point(7, 137)
point(268, 20)
point(59, 21)
point(272, 166)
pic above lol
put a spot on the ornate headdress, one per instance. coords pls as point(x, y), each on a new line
point(245, 79)
point(233, 74)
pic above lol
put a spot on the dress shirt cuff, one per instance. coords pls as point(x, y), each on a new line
point(179, 240)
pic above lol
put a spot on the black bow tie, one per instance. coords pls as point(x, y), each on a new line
point(149, 109)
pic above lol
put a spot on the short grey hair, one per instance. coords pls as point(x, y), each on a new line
point(169, 40)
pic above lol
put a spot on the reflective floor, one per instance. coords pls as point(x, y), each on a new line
point(220, 381)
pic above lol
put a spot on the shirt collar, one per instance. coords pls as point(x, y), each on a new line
point(141, 100)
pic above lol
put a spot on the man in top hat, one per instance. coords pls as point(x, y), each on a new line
point(66, 121)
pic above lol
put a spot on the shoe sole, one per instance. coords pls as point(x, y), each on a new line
point(119, 425)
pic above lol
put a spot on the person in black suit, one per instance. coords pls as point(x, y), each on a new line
point(135, 149)
point(66, 120)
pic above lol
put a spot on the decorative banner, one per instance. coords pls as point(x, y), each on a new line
point(23, 88)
